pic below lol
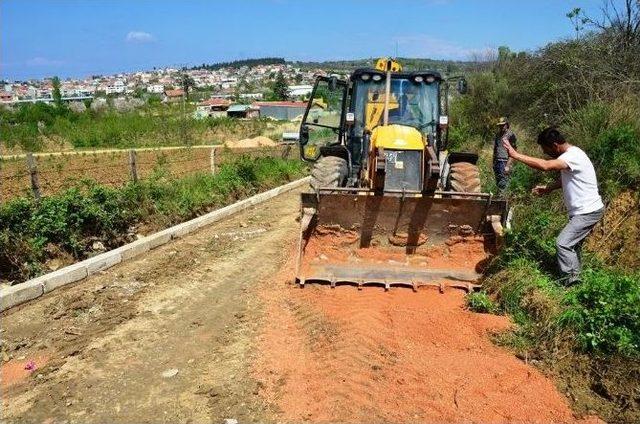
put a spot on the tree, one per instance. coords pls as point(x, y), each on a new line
point(56, 94)
point(139, 92)
point(280, 88)
point(577, 20)
point(504, 54)
point(187, 83)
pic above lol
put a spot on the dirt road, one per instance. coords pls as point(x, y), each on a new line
point(209, 327)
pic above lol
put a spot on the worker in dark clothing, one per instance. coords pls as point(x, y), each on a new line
point(501, 161)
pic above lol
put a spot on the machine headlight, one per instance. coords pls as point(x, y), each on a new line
point(365, 77)
point(431, 79)
point(419, 78)
point(377, 77)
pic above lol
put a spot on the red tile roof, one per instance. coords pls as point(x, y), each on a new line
point(214, 102)
point(174, 93)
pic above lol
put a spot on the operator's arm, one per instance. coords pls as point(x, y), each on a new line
point(536, 163)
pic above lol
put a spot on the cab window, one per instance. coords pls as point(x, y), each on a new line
point(321, 126)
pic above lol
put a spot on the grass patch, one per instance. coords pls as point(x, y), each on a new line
point(480, 302)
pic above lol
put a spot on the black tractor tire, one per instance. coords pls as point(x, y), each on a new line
point(329, 171)
point(464, 177)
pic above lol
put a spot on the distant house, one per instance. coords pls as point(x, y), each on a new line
point(6, 97)
point(251, 96)
point(117, 87)
point(243, 111)
point(173, 95)
point(284, 111)
point(300, 90)
point(155, 88)
point(212, 108)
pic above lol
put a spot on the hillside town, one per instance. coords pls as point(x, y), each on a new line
point(214, 91)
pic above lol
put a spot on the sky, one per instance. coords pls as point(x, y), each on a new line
point(74, 38)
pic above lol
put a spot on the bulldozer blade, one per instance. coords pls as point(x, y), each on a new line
point(373, 240)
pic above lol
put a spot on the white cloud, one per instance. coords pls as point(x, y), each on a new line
point(423, 45)
point(43, 61)
point(139, 37)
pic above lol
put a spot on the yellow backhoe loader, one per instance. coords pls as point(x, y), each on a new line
point(385, 190)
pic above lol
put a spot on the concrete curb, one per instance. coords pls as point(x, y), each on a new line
point(34, 288)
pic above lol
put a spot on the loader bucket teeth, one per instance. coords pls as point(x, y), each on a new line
point(386, 241)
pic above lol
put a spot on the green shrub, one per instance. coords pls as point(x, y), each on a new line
point(536, 223)
point(585, 125)
point(480, 302)
point(604, 312)
point(616, 155)
point(476, 112)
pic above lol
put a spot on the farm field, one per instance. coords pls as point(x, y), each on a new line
point(57, 172)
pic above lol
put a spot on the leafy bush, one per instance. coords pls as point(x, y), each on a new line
point(584, 125)
point(476, 112)
point(604, 312)
point(611, 138)
point(536, 223)
point(616, 154)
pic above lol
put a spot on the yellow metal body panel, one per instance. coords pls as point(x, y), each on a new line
point(386, 64)
point(397, 137)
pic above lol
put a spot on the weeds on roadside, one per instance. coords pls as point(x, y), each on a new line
point(31, 233)
point(480, 302)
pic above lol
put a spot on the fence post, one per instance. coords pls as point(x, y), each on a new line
point(212, 159)
point(286, 151)
point(33, 173)
point(132, 166)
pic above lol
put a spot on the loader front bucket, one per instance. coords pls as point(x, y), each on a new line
point(364, 239)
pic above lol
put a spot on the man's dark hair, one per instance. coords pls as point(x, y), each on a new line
point(550, 136)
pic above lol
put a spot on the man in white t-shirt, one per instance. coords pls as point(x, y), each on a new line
point(580, 189)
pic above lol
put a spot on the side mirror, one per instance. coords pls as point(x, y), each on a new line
point(462, 86)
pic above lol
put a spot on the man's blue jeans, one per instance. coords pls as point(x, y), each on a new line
point(502, 179)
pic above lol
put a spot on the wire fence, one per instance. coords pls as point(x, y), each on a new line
point(40, 175)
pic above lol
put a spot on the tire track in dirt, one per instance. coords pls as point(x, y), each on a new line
point(186, 305)
point(343, 355)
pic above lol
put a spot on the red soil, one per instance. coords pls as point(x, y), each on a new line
point(341, 246)
point(14, 371)
point(344, 355)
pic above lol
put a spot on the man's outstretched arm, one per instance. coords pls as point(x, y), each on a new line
point(536, 163)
